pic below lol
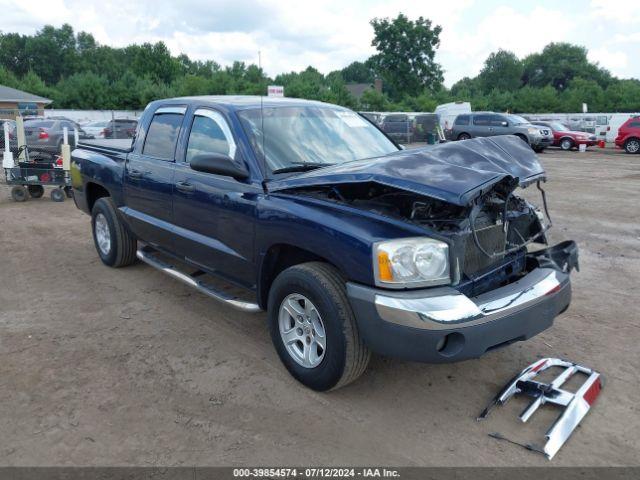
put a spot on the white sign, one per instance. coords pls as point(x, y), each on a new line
point(275, 91)
point(584, 108)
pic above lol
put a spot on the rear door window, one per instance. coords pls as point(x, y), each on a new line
point(162, 136)
point(481, 120)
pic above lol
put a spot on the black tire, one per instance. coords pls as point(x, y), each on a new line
point(538, 149)
point(68, 191)
point(122, 250)
point(566, 144)
point(464, 136)
point(19, 193)
point(346, 356)
point(632, 145)
point(36, 191)
point(57, 195)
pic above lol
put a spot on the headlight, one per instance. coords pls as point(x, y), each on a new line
point(533, 131)
point(411, 262)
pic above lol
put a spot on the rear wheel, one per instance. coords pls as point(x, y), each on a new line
point(116, 246)
point(57, 195)
point(632, 145)
point(566, 144)
point(313, 327)
point(36, 191)
point(464, 136)
point(19, 193)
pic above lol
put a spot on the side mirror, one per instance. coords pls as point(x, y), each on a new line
point(504, 124)
point(219, 164)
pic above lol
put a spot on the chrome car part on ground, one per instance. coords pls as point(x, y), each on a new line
point(576, 405)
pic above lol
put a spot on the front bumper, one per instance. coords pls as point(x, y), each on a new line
point(541, 141)
point(440, 325)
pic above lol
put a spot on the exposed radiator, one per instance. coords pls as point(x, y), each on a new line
point(492, 239)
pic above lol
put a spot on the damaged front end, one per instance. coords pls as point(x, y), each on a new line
point(495, 239)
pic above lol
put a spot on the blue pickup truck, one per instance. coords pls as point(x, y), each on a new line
point(351, 244)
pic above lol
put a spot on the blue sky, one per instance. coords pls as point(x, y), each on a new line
point(292, 34)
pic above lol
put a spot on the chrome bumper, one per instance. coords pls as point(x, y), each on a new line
point(446, 308)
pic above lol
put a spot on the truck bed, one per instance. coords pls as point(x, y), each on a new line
point(120, 145)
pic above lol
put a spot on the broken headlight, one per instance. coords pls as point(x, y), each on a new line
point(411, 262)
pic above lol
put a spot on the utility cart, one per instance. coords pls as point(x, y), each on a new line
point(39, 169)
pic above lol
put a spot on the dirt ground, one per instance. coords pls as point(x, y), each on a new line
point(128, 367)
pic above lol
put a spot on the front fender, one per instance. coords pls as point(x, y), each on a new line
point(340, 235)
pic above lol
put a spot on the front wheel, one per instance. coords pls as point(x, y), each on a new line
point(313, 327)
point(566, 144)
point(116, 246)
point(632, 145)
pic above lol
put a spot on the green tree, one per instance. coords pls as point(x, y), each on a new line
point(558, 64)
point(374, 101)
point(406, 51)
point(502, 71)
point(582, 91)
point(13, 55)
point(359, 72)
point(83, 90)
point(7, 78)
point(623, 96)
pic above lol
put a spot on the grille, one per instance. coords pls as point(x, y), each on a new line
point(492, 239)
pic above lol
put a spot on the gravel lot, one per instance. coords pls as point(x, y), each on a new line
point(128, 367)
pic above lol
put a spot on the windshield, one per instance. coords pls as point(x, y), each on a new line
point(517, 119)
point(558, 127)
point(312, 136)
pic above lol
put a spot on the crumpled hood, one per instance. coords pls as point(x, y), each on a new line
point(454, 172)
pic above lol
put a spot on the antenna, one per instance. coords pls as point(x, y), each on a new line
point(264, 153)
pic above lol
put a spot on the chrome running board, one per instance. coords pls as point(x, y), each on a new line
point(148, 256)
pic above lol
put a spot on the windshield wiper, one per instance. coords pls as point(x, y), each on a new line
point(301, 167)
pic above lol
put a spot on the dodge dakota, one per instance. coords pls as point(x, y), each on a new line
point(351, 243)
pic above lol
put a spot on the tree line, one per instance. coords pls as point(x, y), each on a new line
point(75, 71)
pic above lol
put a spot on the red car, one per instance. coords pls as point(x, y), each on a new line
point(629, 135)
point(567, 139)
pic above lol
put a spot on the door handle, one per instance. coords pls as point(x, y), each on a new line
point(185, 187)
point(135, 173)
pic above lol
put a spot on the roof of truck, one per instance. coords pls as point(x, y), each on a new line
point(249, 101)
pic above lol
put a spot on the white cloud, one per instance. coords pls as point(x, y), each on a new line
point(608, 59)
point(331, 34)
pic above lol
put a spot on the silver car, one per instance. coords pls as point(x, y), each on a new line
point(488, 124)
point(48, 133)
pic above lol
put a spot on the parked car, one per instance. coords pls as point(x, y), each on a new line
point(398, 126)
point(487, 124)
point(629, 135)
point(565, 138)
point(121, 128)
point(350, 243)
point(375, 118)
point(49, 133)
point(97, 129)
